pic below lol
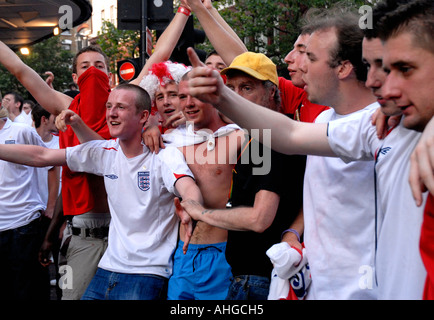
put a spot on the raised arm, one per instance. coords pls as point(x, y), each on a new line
point(51, 100)
point(224, 40)
point(81, 130)
point(165, 44)
point(287, 136)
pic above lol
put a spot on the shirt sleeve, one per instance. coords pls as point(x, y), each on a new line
point(173, 167)
point(354, 137)
point(89, 157)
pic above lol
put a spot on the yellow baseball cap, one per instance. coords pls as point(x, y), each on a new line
point(257, 65)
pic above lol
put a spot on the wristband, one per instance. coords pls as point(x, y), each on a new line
point(184, 10)
point(292, 231)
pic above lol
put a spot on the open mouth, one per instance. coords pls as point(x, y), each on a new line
point(114, 123)
point(169, 111)
point(193, 112)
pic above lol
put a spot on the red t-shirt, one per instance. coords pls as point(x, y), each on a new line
point(90, 105)
point(296, 104)
point(427, 247)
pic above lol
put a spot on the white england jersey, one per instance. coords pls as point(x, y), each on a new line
point(399, 269)
point(144, 226)
point(20, 201)
point(339, 215)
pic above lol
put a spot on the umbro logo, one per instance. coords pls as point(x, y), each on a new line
point(385, 150)
point(111, 176)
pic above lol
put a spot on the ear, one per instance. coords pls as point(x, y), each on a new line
point(144, 117)
point(75, 78)
point(345, 69)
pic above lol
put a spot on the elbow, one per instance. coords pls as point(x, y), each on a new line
point(259, 223)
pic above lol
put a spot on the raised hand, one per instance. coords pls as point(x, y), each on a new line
point(49, 79)
point(175, 120)
point(205, 83)
point(66, 117)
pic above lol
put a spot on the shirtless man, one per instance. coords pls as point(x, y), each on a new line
point(202, 272)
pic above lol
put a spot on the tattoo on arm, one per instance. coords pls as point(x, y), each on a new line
point(207, 211)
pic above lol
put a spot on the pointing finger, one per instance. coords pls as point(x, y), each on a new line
point(194, 58)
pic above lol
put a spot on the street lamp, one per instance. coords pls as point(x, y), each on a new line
point(25, 51)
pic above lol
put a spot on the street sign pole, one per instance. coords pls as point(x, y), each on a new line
point(144, 25)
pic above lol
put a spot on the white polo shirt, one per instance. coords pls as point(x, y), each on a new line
point(20, 201)
point(399, 269)
point(144, 226)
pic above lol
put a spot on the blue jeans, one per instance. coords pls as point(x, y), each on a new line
point(247, 287)
point(22, 277)
point(107, 285)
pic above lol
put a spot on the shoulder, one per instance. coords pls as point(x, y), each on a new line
point(169, 152)
point(97, 146)
point(325, 116)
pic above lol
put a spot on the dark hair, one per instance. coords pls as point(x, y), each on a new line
point(345, 21)
point(213, 52)
point(37, 113)
point(91, 48)
point(415, 17)
point(17, 98)
point(30, 102)
point(379, 11)
point(142, 99)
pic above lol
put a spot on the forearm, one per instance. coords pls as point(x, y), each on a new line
point(51, 100)
point(84, 133)
point(242, 47)
point(189, 190)
point(284, 134)
point(293, 234)
point(30, 155)
point(165, 44)
point(235, 219)
point(224, 40)
point(56, 222)
point(257, 218)
point(53, 190)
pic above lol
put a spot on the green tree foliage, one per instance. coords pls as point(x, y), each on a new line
point(118, 44)
point(271, 26)
point(47, 55)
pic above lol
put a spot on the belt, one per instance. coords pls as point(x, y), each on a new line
point(99, 233)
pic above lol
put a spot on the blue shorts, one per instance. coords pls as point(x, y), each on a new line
point(201, 274)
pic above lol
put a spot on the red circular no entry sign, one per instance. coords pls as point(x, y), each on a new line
point(127, 71)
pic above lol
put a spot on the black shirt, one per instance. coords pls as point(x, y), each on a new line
point(245, 250)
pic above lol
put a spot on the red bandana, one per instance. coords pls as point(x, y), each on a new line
point(90, 105)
